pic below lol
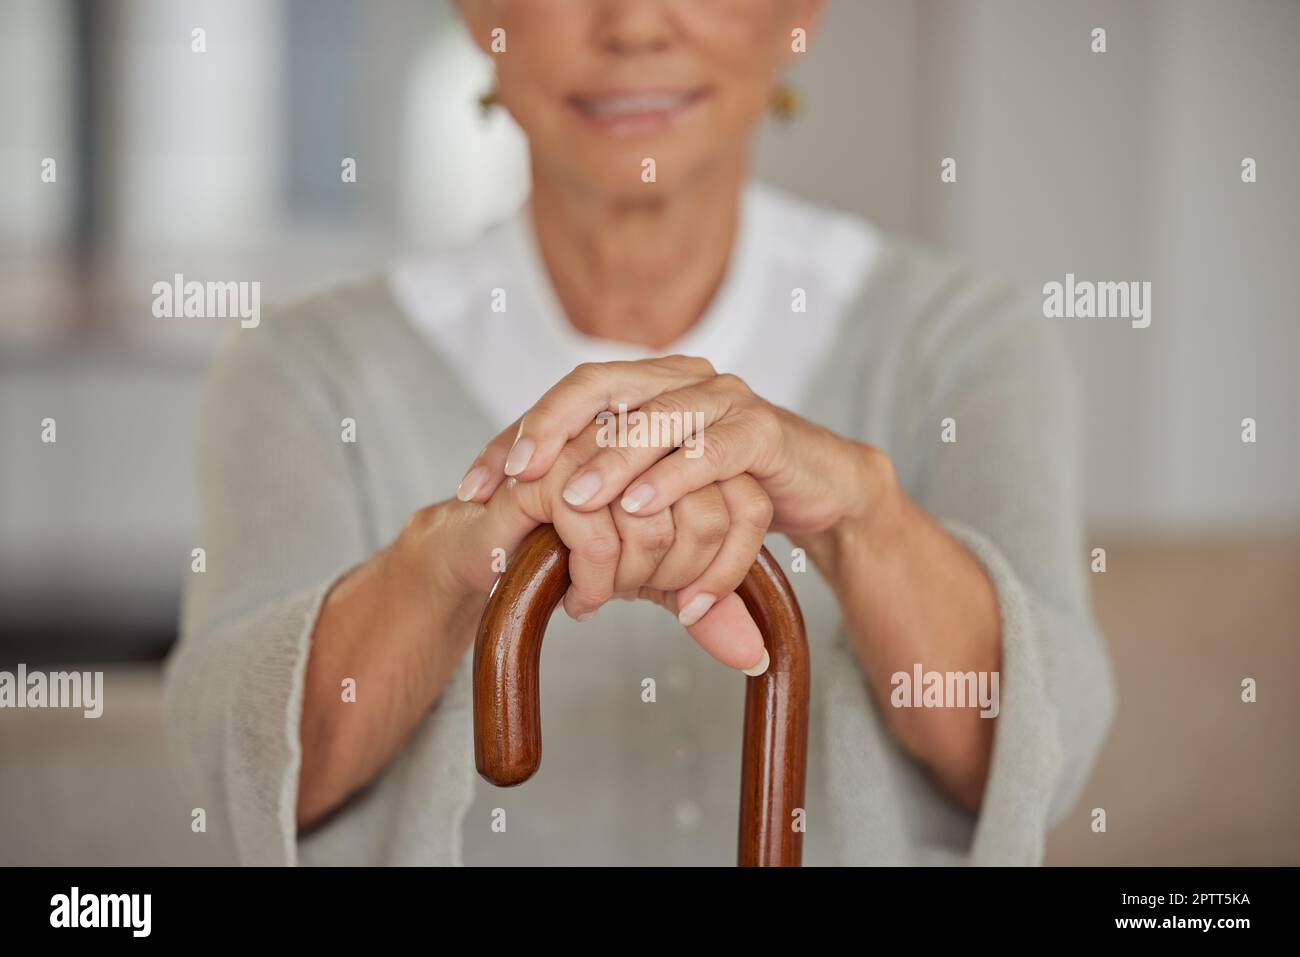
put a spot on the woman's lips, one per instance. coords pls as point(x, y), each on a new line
point(635, 113)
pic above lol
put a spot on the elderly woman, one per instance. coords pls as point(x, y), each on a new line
point(906, 425)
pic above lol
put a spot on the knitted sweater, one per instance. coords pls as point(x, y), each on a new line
point(288, 507)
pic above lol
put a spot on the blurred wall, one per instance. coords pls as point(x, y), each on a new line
point(1127, 165)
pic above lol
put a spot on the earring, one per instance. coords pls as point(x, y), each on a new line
point(489, 99)
point(787, 104)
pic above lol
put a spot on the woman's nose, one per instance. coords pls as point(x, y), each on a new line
point(634, 26)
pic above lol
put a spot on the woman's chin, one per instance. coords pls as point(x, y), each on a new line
point(639, 170)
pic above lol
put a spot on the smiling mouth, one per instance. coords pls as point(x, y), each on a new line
point(635, 113)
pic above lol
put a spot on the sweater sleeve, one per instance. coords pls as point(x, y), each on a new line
point(279, 522)
point(1005, 485)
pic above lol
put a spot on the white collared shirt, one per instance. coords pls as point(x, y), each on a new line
point(786, 251)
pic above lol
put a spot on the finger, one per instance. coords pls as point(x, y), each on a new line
point(541, 498)
point(700, 524)
point(645, 543)
point(676, 419)
point(594, 550)
point(486, 473)
point(592, 538)
point(571, 404)
point(516, 508)
point(727, 632)
point(750, 513)
point(738, 444)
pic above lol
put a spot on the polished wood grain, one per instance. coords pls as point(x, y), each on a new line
point(507, 710)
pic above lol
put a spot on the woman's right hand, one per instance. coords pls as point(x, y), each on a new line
point(689, 558)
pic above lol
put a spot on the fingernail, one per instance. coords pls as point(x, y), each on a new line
point(519, 455)
point(695, 609)
point(582, 488)
point(586, 616)
point(759, 668)
point(638, 498)
point(471, 483)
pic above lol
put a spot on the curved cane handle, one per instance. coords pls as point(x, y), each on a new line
point(507, 713)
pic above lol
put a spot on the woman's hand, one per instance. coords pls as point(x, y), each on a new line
point(688, 557)
point(814, 478)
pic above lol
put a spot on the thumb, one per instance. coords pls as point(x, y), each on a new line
point(482, 537)
point(727, 631)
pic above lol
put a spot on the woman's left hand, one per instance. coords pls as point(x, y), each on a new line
point(814, 477)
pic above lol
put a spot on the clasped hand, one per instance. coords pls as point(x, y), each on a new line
point(680, 526)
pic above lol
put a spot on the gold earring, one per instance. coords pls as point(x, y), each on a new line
point(786, 104)
point(489, 99)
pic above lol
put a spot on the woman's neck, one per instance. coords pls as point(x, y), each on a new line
point(637, 271)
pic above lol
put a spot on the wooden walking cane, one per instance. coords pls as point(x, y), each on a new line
point(507, 715)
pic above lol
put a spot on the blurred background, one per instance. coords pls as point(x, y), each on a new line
point(1122, 165)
